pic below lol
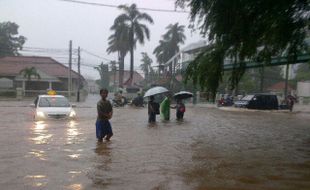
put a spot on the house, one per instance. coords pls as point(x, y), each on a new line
point(53, 75)
point(279, 87)
point(136, 81)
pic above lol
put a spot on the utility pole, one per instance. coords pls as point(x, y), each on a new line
point(69, 69)
point(286, 80)
point(79, 79)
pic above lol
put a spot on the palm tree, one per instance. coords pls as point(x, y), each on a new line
point(169, 46)
point(162, 53)
point(29, 72)
point(119, 42)
point(137, 31)
point(146, 65)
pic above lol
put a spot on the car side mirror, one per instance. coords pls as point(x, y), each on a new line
point(73, 105)
point(32, 105)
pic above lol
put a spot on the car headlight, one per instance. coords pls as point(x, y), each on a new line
point(40, 114)
point(72, 114)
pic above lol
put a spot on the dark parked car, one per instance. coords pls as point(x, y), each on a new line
point(259, 101)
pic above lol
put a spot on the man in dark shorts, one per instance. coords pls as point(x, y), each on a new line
point(153, 109)
point(105, 112)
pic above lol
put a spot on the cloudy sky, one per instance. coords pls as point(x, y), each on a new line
point(52, 23)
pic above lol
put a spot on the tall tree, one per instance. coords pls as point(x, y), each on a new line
point(245, 30)
point(10, 42)
point(119, 42)
point(30, 72)
point(146, 66)
point(162, 54)
point(137, 31)
point(103, 70)
point(169, 45)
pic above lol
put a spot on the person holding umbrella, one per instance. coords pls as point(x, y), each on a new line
point(180, 109)
point(153, 109)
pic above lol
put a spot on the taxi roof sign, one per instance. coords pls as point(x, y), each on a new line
point(51, 92)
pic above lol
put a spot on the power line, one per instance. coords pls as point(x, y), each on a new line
point(95, 55)
point(116, 6)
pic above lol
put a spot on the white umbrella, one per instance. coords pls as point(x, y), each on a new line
point(183, 95)
point(155, 90)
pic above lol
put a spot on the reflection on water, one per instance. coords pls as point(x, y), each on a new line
point(41, 133)
point(72, 132)
point(37, 180)
point(75, 187)
point(38, 154)
point(74, 156)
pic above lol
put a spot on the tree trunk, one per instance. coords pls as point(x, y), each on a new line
point(121, 70)
point(286, 80)
point(131, 53)
point(262, 78)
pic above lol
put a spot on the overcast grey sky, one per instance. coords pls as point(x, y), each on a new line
point(52, 23)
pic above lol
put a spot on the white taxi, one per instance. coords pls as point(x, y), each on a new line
point(53, 107)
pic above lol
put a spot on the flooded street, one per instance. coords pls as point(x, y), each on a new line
point(210, 149)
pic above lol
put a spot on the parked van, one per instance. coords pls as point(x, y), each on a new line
point(259, 101)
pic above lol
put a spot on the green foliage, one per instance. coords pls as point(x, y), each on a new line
point(11, 94)
point(103, 70)
point(169, 45)
point(244, 31)
point(303, 72)
point(29, 72)
point(206, 69)
point(10, 42)
point(119, 42)
point(146, 66)
point(134, 31)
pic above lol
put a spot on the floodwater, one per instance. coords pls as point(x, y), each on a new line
point(211, 149)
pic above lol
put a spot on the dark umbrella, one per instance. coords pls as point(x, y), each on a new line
point(183, 95)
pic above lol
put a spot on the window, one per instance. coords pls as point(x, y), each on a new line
point(54, 102)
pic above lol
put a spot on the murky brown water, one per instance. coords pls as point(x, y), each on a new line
point(211, 149)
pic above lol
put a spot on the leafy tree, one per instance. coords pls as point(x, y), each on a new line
point(10, 42)
point(119, 42)
point(242, 31)
point(28, 72)
point(146, 66)
point(169, 45)
point(131, 18)
point(103, 70)
point(303, 72)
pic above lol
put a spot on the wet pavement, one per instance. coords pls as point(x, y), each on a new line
point(210, 149)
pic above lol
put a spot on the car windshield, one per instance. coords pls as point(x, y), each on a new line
point(247, 97)
point(54, 102)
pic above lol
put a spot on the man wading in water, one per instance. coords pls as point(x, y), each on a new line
point(105, 112)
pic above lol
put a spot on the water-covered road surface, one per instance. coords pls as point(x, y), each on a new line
point(210, 149)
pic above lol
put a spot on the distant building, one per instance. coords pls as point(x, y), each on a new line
point(92, 86)
point(53, 75)
point(279, 87)
point(136, 81)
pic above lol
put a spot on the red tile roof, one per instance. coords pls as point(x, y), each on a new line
point(12, 65)
point(279, 86)
point(137, 78)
